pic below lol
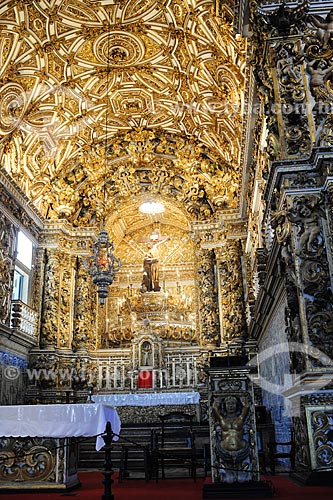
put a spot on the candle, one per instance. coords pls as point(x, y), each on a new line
point(107, 377)
point(115, 376)
point(188, 372)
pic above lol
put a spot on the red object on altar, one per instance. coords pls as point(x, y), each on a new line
point(145, 379)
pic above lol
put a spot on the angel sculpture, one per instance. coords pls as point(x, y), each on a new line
point(325, 26)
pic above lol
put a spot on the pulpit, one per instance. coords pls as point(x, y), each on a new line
point(38, 445)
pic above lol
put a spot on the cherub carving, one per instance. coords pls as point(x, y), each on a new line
point(286, 66)
point(319, 73)
point(307, 213)
point(325, 26)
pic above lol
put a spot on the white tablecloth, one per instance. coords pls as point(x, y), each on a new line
point(58, 421)
point(148, 399)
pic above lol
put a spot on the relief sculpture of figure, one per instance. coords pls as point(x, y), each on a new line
point(325, 26)
point(307, 214)
point(319, 72)
point(231, 417)
point(286, 67)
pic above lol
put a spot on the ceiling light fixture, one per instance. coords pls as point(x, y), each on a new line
point(103, 265)
point(152, 207)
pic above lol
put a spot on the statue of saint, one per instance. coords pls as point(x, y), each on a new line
point(146, 354)
point(150, 279)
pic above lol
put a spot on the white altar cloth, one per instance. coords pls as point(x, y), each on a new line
point(148, 399)
point(58, 421)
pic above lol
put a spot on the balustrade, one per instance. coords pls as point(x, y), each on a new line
point(180, 372)
point(24, 318)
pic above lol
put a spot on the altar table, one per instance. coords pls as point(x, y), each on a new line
point(148, 399)
point(37, 445)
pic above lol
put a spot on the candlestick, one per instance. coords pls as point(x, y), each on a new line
point(188, 373)
point(115, 376)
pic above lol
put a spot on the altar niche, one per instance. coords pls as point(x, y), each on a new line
point(146, 355)
point(146, 359)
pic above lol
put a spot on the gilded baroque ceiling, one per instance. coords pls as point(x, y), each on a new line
point(107, 103)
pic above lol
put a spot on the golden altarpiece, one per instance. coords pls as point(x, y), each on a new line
point(219, 111)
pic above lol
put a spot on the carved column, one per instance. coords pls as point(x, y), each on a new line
point(7, 255)
point(282, 80)
point(66, 301)
point(231, 292)
point(305, 258)
point(293, 67)
point(307, 215)
point(208, 309)
point(84, 311)
point(51, 297)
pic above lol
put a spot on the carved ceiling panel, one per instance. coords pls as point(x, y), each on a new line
point(157, 87)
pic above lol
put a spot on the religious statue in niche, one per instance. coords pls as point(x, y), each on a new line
point(150, 278)
point(146, 354)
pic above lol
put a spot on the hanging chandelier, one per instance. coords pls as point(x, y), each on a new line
point(102, 265)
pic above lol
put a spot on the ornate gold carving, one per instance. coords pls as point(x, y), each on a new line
point(50, 312)
point(13, 102)
point(232, 310)
point(84, 308)
point(137, 414)
point(163, 77)
point(7, 238)
point(26, 459)
point(209, 327)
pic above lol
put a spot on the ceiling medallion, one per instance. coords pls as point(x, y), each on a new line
point(151, 207)
point(122, 49)
point(12, 105)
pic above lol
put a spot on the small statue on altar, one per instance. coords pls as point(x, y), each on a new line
point(146, 354)
point(150, 279)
